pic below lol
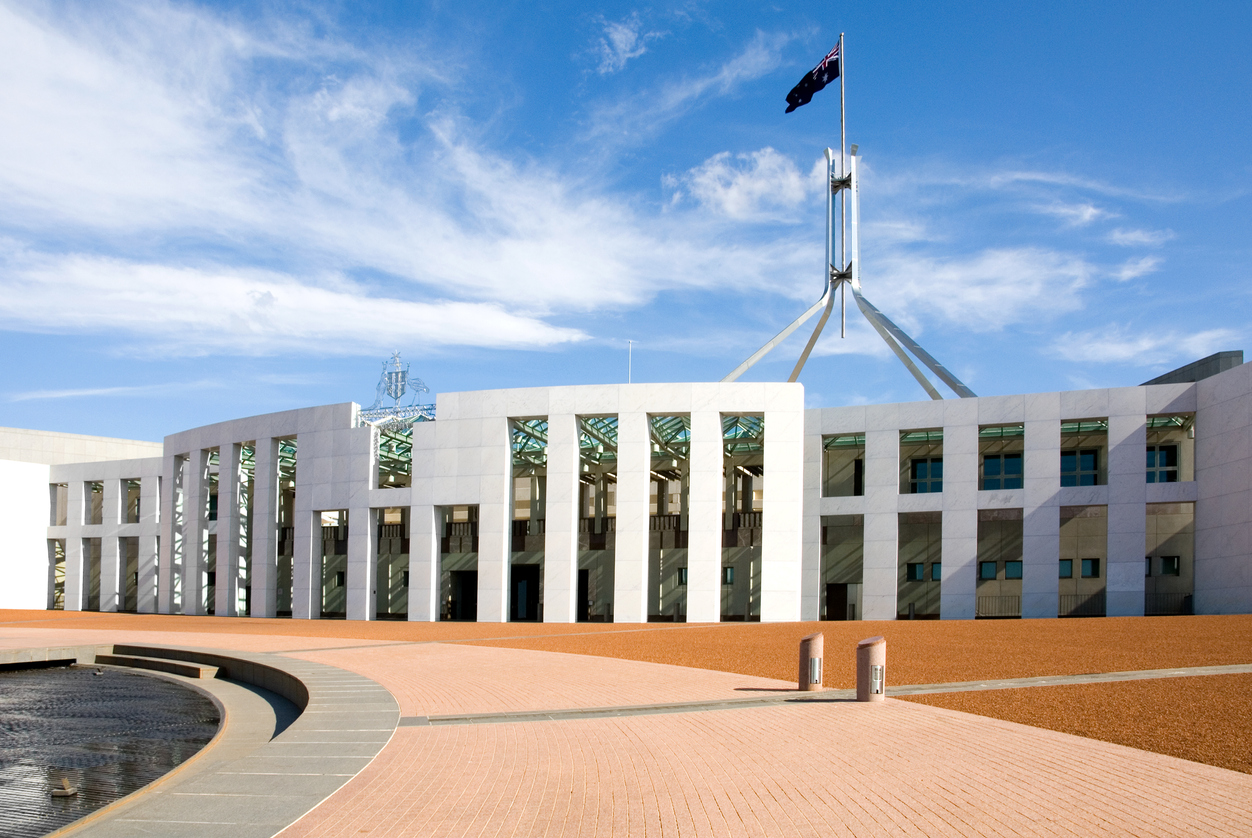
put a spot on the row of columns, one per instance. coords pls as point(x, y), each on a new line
point(1126, 494)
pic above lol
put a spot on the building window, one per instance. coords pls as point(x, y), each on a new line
point(1162, 463)
point(682, 576)
point(341, 578)
point(914, 572)
point(1002, 471)
point(926, 475)
point(406, 578)
point(935, 569)
point(1171, 565)
point(210, 578)
point(1147, 566)
point(1012, 570)
point(986, 570)
point(728, 575)
point(1090, 568)
point(1067, 568)
point(1080, 467)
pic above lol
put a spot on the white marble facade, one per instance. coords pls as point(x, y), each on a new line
point(464, 459)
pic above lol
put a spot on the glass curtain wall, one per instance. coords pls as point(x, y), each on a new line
point(843, 561)
point(128, 554)
point(1084, 555)
point(287, 451)
point(999, 586)
point(91, 568)
point(919, 569)
point(668, 518)
point(530, 493)
point(395, 457)
point(56, 570)
point(843, 466)
point(743, 471)
point(597, 531)
point(247, 481)
point(458, 563)
point(333, 549)
point(392, 579)
point(208, 581)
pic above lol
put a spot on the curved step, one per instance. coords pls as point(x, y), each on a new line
point(174, 667)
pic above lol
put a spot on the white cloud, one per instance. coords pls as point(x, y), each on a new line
point(1135, 268)
point(622, 41)
point(747, 186)
point(1139, 346)
point(231, 311)
point(984, 292)
point(1139, 238)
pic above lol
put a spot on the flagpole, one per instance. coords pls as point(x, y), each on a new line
point(843, 141)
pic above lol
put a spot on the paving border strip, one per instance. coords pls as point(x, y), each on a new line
point(256, 788)
point(824, 696)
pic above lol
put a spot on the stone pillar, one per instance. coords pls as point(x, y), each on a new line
point(958, 584)
point(811, 526)
point(423, 563)
point(306, 558)
point(495, 521)
point(228, 530)
point(173, 509)
point(75, 566)
point(630, 571)
point(560, 557)
point(882, 528)
point(265, 529)
point(362, 572)
point(196, 532)
point(782, 511)
point(150, 506)
point(1128, 496)
point(704, 538)
point(1041, 514)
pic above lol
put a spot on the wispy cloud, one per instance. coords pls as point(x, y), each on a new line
point(622, 40)
point(1075, 214)
point(1125, 344)
point(1139, 238)
point(644, 113)
point(1135, 268)
point(162, 390)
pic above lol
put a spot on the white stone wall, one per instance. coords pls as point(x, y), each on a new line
point(1223, 452)
point(464, 458)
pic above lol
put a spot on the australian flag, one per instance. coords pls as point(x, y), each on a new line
point(826, 71)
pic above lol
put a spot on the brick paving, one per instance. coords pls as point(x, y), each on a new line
point(826, 768)
point(818, 770)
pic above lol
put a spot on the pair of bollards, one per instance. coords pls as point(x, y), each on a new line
point(871, 666)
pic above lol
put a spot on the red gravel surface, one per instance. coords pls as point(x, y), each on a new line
point(1205, 719)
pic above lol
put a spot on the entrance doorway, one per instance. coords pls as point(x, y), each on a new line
point(524, 593)
point(584, 596)
point(464, 605)
point(836, 601)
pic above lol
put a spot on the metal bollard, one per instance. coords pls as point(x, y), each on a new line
point(811, 662)
point(871, 669)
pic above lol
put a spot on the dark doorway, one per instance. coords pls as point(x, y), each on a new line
point(524, 593)
point(836, 601)
point(584, 596)
point(465, 595)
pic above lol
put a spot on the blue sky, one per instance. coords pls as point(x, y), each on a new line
point(212, 210)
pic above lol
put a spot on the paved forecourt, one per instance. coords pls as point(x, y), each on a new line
point(820, 767)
